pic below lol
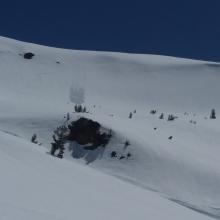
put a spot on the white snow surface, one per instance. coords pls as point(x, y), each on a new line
point(163, 179)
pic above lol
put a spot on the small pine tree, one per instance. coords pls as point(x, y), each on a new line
point(34, 139)
point(170, 118)
point(130, 115)
point(84, 109)
point(61, 151)
point(75, 108)
point(161, 116)
point(59, 138)
point(110, 133)
point(127, 143)
point(213, 115)
point(68, 116)
point(80, 108)
point(113, 154)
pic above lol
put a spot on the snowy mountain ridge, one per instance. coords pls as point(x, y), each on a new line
point(171, 163)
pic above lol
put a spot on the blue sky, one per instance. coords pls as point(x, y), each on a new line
point(178, 28)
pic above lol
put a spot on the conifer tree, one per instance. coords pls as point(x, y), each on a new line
point(68, 116)
point(84, 109)
point(170, 118)
point(213, 114)
point(34, 139)
point(59, 139)
point(161, 116)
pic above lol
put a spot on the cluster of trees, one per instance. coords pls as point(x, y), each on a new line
point(59, 138)
point(131, 114)
point(80, 109)
point(115, 154)
point(62, 133)
point(192, 121)
point(86, 132)
point(161, 116)
point(171, 117)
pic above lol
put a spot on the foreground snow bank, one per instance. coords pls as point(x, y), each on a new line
point(37, 186)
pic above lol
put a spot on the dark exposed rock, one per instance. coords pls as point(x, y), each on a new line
point(28, 55)
point(87, 132)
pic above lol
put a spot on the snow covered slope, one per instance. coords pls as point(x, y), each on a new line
point(36, 186)
point(37, 93)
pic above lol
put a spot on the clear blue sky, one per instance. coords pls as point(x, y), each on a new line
point(184, 28)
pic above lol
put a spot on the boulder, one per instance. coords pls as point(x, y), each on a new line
point(87, 132)
point(28, 55)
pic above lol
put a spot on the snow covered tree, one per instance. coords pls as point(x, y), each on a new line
point(213, 115)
